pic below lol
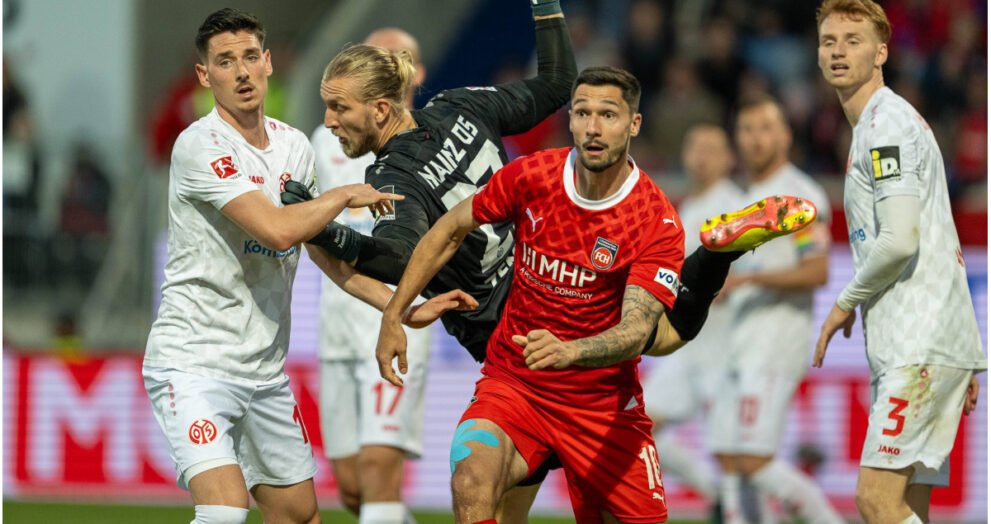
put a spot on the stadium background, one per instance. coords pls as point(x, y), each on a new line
point(95, 92)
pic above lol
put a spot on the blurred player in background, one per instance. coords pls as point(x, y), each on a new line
point(694, 372)
point(923, 344)
point(598, 252)
point(769, 343)
point(369, 426)
point(213, 366)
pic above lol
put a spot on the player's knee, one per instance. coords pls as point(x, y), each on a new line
point(870, 506)
point(350, 499)
point(471, 483)
point(215, 514)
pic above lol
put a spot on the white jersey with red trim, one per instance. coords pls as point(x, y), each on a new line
point(226, 297)
point(773, 328)
point(348, 327)
point(926, 316)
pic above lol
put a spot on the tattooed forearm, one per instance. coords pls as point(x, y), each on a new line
point(625, 340)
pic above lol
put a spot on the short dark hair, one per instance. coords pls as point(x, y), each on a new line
point(756, 100)
point(227, 20)
point(611, 76)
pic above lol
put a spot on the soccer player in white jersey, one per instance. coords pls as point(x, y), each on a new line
point(694, 370)
point(923, 344)
point(369, 426)
point(213, 366)
point(770, 343)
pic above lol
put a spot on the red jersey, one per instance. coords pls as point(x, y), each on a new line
point(573, 260)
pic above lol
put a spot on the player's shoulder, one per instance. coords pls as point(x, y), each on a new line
point(542, 161)
point(282, 132)
point(888, 114)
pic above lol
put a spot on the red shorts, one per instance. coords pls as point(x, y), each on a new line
point(608, 457)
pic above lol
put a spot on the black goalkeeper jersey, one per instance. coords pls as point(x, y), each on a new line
point(453, 151)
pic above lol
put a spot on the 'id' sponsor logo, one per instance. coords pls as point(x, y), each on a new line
point(604, 254)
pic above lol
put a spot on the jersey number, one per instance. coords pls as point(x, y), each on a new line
point(896, 415)
point(649, 456)
point(379, 390)
point(297, 417)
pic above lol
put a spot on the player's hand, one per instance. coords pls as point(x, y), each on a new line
point(294, 193)
point(422, 315)
point(542, 349)
point(391, 344)
point(836, 319)
point(970, 403)
point(362, 195)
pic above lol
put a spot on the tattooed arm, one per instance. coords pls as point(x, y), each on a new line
point(641, 311)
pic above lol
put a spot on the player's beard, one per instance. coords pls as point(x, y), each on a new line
point(366, 141)
point(598, 165)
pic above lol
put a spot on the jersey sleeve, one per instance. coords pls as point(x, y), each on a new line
point(410, 219)
point(207, 171)
point(658, 266)
point(494, 202)
point(894, 161)
point(507, 109)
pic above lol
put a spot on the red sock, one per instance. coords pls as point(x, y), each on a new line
point(487, 521)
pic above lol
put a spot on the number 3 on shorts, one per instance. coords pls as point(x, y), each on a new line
point(896, 415)
point(649, 456)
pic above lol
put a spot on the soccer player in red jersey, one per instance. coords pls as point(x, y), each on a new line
point(598, 252)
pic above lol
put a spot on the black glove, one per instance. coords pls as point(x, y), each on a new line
point(545, 7)
point(294, 193)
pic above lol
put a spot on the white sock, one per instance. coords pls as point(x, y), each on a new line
point(215, 514)
point(729, 494)
point(768, 513)
point(792, 487)
point(912, 519)
point(382, 513)
point(678, 461)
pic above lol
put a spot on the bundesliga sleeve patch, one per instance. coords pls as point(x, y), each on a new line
point(886, 163)
point(389, 216)
point(224, 167)
point(668, 279)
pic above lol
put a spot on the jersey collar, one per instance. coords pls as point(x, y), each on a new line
point(605, 203)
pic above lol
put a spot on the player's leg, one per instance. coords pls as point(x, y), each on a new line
point(918, 496)
point(764, 406)
point(391, 430)
point(881, 494)
point(914, 417)
point(196, 414)
point(276, 456)
point(339, 425)
point(514, 506)
point(493, 449)
point(291, 504)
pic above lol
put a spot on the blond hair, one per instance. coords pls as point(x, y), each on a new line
point(857, 10)
point(380, 73)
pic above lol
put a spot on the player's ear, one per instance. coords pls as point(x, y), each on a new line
point(635, 124)
point(382, 108)
point(268, 62)
point(202, 76)
point(882, 55)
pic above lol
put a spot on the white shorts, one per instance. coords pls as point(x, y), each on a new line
point(211, 422)
point(677, 390)
point(749, 411)
point(359, 408)
point(914, 417)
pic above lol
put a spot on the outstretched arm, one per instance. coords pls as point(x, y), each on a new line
point(430, 255)
point(641, 311)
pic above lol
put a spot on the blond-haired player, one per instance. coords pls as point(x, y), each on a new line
point(923, 344)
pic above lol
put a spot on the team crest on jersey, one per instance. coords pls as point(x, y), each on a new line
point(886, 163)
point(604, 254)
point(202, 431)
point(283, 178)
point(224, 167)
point(388, 216)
